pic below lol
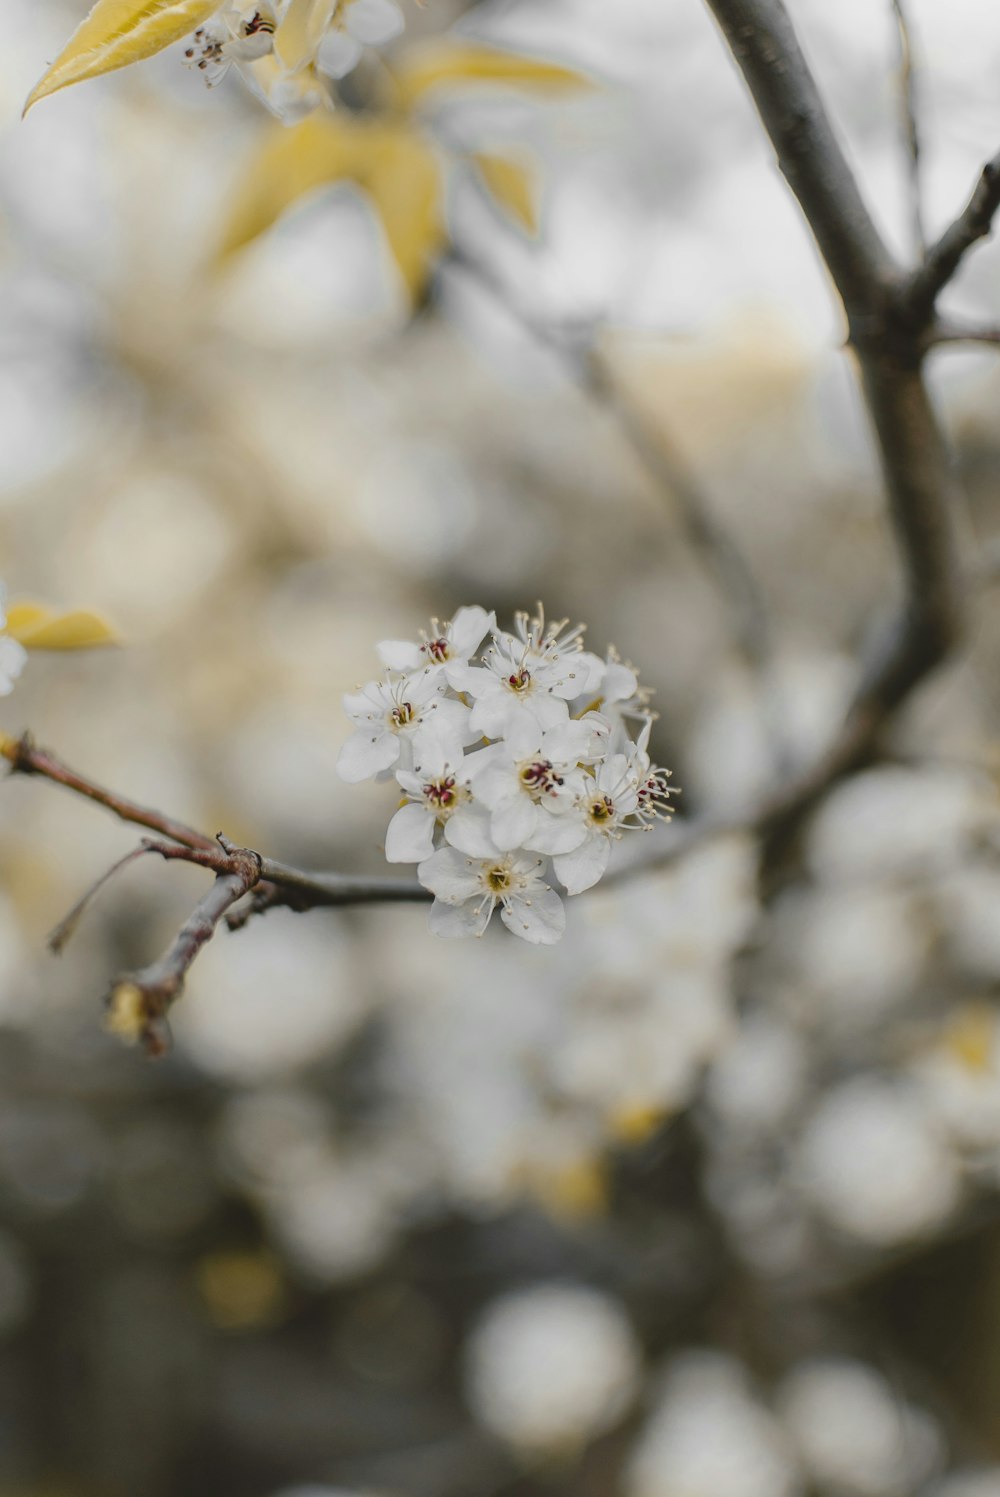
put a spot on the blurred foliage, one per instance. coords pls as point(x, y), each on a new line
point(703, 1201)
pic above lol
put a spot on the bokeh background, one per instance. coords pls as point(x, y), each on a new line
point(702, 1202)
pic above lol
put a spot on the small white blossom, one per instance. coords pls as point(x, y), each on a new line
point(534, 782)
point(467, 891)
point(12, 654)
point(602, 811)
point(279, 62)
point(443, 646)
point(392, 718)
point(504, 762)
point(438, 794)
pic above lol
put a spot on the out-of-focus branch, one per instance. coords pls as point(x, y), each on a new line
point(721, 556)
point(911, 131)
point(944, 256)
point(949, 330)
point(878, 303)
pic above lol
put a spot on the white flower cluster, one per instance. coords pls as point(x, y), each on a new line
point(12, 654)
point(279, 46)
point(508, 756)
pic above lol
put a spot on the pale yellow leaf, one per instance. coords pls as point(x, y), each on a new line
point(458, 64)
point(39, 628)
point(292, 163)
point(403, 178)
point(513, 183)
point(297, 39)
point(117, 32)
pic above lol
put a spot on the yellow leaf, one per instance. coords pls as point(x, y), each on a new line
point(456, 64)
point(513, 183)
point(38, 628)
point(292, 163)
point(117, 32)
point(297, 39)
point(403, 178)
point(397, 169)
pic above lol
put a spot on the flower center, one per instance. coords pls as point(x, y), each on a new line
point(499, 879)
point(442, 795)
point(601, 809)
point(402, 716)
point(437, 649)
point(538, 777)
point(258, 25)
point(520, 680)
point(206, 52)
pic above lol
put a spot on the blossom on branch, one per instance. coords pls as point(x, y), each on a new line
point(507, 760)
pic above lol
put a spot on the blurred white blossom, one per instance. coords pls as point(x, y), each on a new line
point(549, 1368)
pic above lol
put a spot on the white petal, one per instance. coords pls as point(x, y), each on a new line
point(582, 868)
point(619, 683)
point(495, 782)
point(400, 654)
point(555, 833)
point(469, 628)
point(551, 711)
point(409, 837)
point(12, 660)
point(471, 678)
point(493, 713)
point(338, 54)
point(374, 21)
point(513, 823)
point(468, 829)
point(469, 919)
point(365, 754)
point(540, 918)
point(450, 876)
point(449, 717)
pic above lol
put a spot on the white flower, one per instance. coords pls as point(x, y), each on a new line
point(622, 700)
point(467, 890)
point(551, 1367)
point(605, 805)
point(536, 671)
point(233, 34)
point(437, 795)
point(653, 791)
point(393, 719)
point(444, 646)
point(12, 654)
point(534, 781)
point(540, 784)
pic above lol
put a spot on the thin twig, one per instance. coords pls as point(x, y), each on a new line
point(25, 757)
point(908, 89)
point(950, 330)
point(945, 256)
point(64, 930)
point(722, 557)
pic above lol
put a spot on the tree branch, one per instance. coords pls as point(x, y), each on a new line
point(944, 257)
point(908, 90)
point(722, 558)
point(877, 304)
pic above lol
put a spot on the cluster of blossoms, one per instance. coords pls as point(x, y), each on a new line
point(12, 654)
point(280, 47)
point(516, 762)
